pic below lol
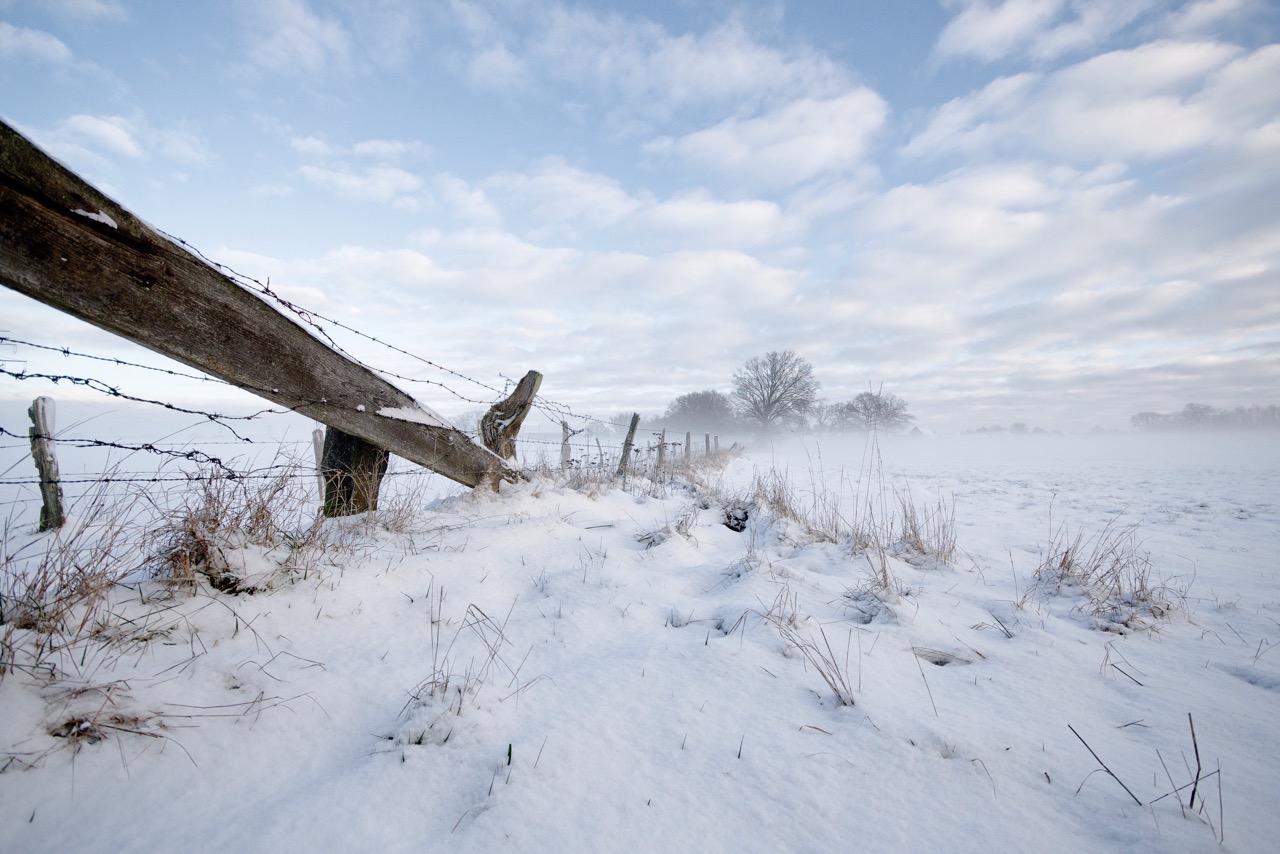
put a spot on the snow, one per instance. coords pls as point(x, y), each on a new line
point(418, 415)
point(100, 216)
point(597, 669)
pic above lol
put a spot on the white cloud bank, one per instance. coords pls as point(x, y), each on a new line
point(636, 207)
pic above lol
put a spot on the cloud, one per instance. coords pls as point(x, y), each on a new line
point(1203, 17)
point(990, 31)
point(390, 149)
point(386, 150)
point(559, 203)
point(1154, 101)
point(383, 181)
point(182, 146)
point(89, 10)
point(286, 36)
point(1032, 281)
point(465, 202)
point(696, 218)
point(106, 144)
point(795, 143)
point(382, 184)
point(114, 134)
point(636, 58)
point(496, 67)
point(608, 328)
point(386, 31)
point(18, 44)
point(560, 197)
point(1039, 29)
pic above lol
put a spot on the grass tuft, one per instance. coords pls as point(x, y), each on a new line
point(1111, 572)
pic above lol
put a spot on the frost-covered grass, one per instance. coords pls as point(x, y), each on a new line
point(916, 646)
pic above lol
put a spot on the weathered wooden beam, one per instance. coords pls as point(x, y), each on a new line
point(626, 445)
point(67, 245)
point(501, 424)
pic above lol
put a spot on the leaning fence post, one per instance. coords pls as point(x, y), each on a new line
point(42, 430)
point(501, 424)
point(626, 446)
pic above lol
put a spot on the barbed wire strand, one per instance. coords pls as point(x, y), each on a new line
point(552, 409)
point(310, 317)
point(66, 351)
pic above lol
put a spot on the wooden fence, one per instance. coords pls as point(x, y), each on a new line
point(66, 244)
point(657, 457)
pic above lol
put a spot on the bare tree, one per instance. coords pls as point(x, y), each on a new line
point(824, 416)
point(774, 388)
point(1200, 415)
point(875, 410)
point(704, 410)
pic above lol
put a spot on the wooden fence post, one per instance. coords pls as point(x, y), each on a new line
point(352, 470)
point(662, 450)
point(708, 441)
point(565, 455)
point(717, 442)
point(626, 446)
point(688, 442)
point(499, 426)
point(42, 432)
point(317, 445)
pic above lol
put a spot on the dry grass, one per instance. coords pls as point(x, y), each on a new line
point(931, 531)
point(53, 585)
point(784, 615)
point(1111, 571)
point(215, 518)
point(451, 686)
point(883, 520)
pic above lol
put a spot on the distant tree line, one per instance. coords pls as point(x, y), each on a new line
point(1017, 428)
point(779, 390)
point(1199, 416)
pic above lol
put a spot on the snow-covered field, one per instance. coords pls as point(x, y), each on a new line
point(614, 669)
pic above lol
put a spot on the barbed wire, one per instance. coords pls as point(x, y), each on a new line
point(194, 455)
point(103, 387)
point(553, 409)
point(285, 470)
point(168, 445)
point(66, 351)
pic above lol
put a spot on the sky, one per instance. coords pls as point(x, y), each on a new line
point(1047, 211)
